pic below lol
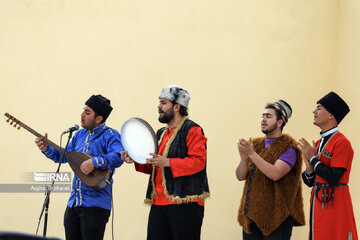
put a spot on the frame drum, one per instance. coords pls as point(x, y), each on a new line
point(138, 139)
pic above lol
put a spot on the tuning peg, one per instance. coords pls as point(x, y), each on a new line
point(18, 127)
point(8, 120)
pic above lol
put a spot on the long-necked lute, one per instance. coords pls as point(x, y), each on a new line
point(97, 179)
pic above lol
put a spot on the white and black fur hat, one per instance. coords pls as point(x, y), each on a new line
point(176, 94)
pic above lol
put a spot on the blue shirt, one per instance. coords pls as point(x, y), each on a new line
point(104, 143)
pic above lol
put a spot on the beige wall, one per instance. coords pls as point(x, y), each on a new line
point(348, 84)
point(232, 56)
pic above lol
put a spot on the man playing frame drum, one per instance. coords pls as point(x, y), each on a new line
point(178, 184)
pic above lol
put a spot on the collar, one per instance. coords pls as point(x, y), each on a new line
point(329, 132)
point(98, 128)
point(169, 131)
point(270, 139)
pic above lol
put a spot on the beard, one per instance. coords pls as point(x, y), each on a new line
point(167, 116)
point(270, 129)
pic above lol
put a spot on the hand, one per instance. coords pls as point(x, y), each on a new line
point(41, 144)
point(242, 154)
point(307, 150)
point(125, 157)
point(87, 166)
point(246, 147)
point(308, 165)
point(158, 160)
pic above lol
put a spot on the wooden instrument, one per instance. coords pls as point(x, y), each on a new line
point(97, 179)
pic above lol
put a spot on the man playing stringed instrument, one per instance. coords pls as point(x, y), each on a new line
point(88, 210)
point(178, 184)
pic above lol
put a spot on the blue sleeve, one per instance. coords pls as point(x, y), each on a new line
point(111, 159)
point(55, 155)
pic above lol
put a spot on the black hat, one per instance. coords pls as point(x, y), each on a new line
point(335, 105)
point(100, 105)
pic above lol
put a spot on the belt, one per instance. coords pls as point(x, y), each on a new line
point(326, 195)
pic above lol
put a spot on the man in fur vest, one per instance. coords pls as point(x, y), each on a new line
point(178, 184)
point(272, 202)
point(328, 166)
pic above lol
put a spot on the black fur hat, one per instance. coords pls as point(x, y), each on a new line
point(335, 105)
point(100, 105)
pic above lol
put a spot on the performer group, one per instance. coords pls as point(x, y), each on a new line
point(271, 166)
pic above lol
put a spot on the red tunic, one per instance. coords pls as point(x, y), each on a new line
point(195, 162)
point(336, 220)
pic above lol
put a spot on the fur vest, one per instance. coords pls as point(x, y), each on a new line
point(268, 203)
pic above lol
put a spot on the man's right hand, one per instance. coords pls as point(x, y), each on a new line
point(125, 157)
point(241, 148)
point(41, 144)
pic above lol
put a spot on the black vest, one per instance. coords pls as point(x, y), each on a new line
point(185, 188)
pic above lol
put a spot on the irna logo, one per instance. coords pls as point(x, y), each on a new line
point(51, 176)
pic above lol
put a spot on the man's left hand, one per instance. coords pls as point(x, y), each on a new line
point(158, 160)
point(87, 166)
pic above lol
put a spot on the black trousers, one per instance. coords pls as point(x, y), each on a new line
point(85, 223)
point(175, 222)
point(283, 232)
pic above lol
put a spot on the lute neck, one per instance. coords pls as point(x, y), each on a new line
point(23, 125)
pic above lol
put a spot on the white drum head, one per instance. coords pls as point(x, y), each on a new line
point(138, 139)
